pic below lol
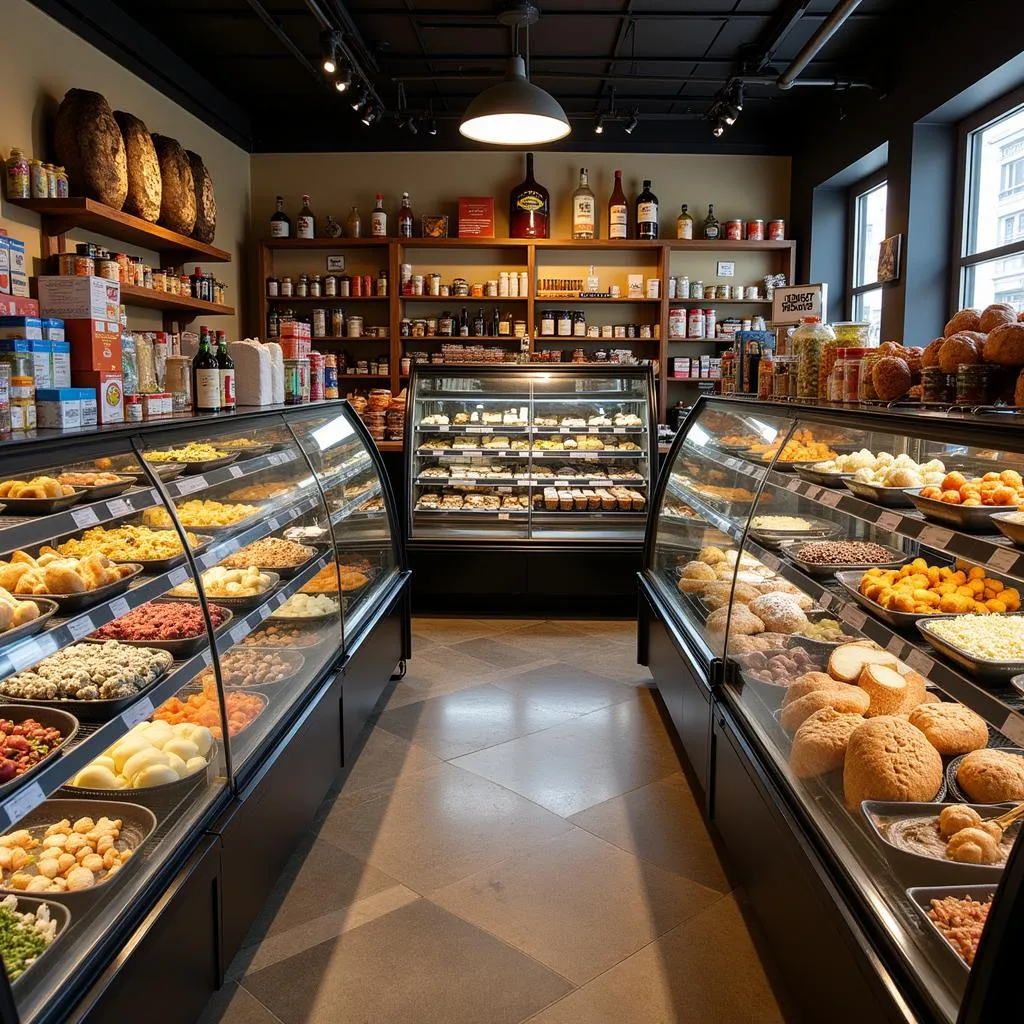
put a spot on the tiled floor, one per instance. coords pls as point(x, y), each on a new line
point(516, 842)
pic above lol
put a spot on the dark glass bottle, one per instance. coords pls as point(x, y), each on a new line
point(647, 213)
point(464, 323)
point(226, 365)
point(305, 225)
point(280, 222)
point(205, 376)
point(529, 207)
point(711, 227)
point(495, 321)
point(618, 210)
point(479, 324)
point(405, 218)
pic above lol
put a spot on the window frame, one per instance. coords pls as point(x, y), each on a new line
point(853, 291)
point(967, 171)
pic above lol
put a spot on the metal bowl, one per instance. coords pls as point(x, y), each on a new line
point(42, 506)
point(816, 476)
point(1005, 525)
point(890, 497)
point(973, 518)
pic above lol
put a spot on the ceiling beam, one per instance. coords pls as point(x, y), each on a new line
point(475, 19)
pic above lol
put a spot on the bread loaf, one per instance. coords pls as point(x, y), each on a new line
point(144, 184)
point(965, 320)
point(992, 776)
point(1005, 345)
point(996, 315)
point(890, 692)
point(950, 728)
point(178, 193)
point(819, 745)
point(888, 759)
point(206, 205)
point(90, 147)
point(847, 700)
point(930, 356)
point(891, 378)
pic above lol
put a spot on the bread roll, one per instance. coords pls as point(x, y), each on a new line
point(809, 682)
point(992, 776)
point(996, 315)
point(780, 613)
point(90, 147)
point(891, 377)
point(1005, 345)
point(890, 692)
point(889, 759)
point(819, 745)
point(144, 186)
point(848, 700)
point(965, 320)
point(930, 356)
point(958, 349)
point(950, 728)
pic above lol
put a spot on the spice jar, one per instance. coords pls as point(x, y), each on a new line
point(285, 288)
point(315, 287)
point(302, 287)
point(938, 387)
point(851, 358)
point(809, 341)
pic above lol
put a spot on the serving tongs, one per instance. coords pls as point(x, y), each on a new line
point(1004, 821)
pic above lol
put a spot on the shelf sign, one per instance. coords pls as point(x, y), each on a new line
point(81, 627)
point(235, 471)
point(84, 516)
point(119, 507)
point(1003, 558)
point(726, 268)
point(936, 537)
point(24, 802)
point(118, 607)
point(1013, 728)
point(139, 711)
point(177, 576)
point(889, 521)
point(790, 305)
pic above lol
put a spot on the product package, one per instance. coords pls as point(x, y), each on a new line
point(109, 394)
point(95, 345)
point(81, 298)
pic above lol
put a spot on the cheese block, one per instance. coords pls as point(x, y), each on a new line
point(253, 384)
point(276, 371)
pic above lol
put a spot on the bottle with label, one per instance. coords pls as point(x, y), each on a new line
point(647, 213)
point(529, 207)
point(354, 224)
point(479, 324)
point(584, 207)
point(711, 225)
point(280, 222)
point(205, 376)
point(226, 366)
point(405, 218)
point(379, 219)
point(684, 224)
point(618, 211)
point(464, 323)
point(593, 282)
point(495, 323)
point(305, 223)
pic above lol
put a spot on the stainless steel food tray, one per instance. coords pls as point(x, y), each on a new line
point(849, 580)
point(1015, 531)
point(983, 669)
point(921, 897)
point(890, 497)
point(806, 471)
point(790, 549)
point(974, 518)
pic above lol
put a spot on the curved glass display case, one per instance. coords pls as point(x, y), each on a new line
point(173, 595)
point(848, 586)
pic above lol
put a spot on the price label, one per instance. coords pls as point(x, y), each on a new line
point(81, 627)
point(479, 430)
point(1013, 728)
point(84, 516)
point(618, 430)
point(564, 430)
point(239, 632)
point(503, 515)
point(1003, 558)
point(139, 711)
point(119, 507)
point(265, 610)
point(920, 662)
point(24, 655)
point(895, 646)
point(24, 802)
point(177, 576)
point(590, 458)
point(559, 483)
point(593, 430)
point(236, 471)
point(855, 616)
point(770, 560)
point(274, 523)
point(596, 483)
point(443, 429)
point(118, 607)
point(792, 484)
point(830, 498)
point(889, 521)
point(288, 456)
point(206, 657)
point(936, 537)
point(813, 492)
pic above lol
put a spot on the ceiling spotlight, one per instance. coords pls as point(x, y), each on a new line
point(343, 80)
point(599, 125)
point(634, 120)
point(413, 126)
point(737, 98)
point(401, 121)
point(432, 127)
point(329, 47)
point(719, 128)
point(358, 100)
point(731, 113)
point(369, 116)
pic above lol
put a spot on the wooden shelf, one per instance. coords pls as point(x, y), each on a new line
point(466, 337)
point(719, 302)
point(339, 337)
point(325, 299)
point(62, 215)
point(325, 243)
point(132, 295)
point(726, 245)
point(624, 302)
point(469, 300)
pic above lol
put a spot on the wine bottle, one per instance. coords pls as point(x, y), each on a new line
point(280, 222)
point(495, 323)
point(684, 224)
point(226, 366)
point(584, 222)
point(711, 227)
point(464, 324)
point(379, 219)
point(405, 218)
point(647, 213)
point(354, 224)
point(479, 324)
point(305, 223)
point(205, 376)
point(618, 211)
point(529, 207)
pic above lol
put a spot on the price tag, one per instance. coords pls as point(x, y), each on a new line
point(239, 632)
point(137, 712)
point(503, 515)
point(84, 516)
point(274, 523)
point(936, 537)
point(24, 655)
point(559, 483)
point(855, 616)
point(1013, 728)
point(813, 492)
point(288, 456)
point(265, 610)
point(894, 645)
point(596, 483)
point(618, 430)
point(793, 484)
point(24, 802)
point(443, 429)
point(177, 576)
point(206, 657)
point(191, 484)
point(593, 430)
point(770, 560)
point(479, 430)
point(590, 458)
point(119, 507)
point(830, 498)
point(81, 627)
point(564, 430)
point(1003, 558)
point(920, 662)
point(118, 607)
point(889, 521)
point(236, 471)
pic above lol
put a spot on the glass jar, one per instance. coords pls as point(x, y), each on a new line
point(829, 355)
point(865, 385)
point(316, 287)
point(460, 287)
point(285, 287)
point(837, 378)
point(809, 342)
point(783, 377)
point(445, 325)
point(938, 387)
point(302, 287)
point(564, 326)
point(977, 384)
point(19, 185)
point(849, 332)
point(547, 322)
point(850, 359)
point(765, 374)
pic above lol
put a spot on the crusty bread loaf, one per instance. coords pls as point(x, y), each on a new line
point(996, 315)
point(960, 348)
point(144, 183)
point(930, 356)
point(819, 745)
point(888, 759)
point(891, 377)
point(1005, 345)
point(90, 147)
point(178, 192)
point(992, 776)
point(206, 203)
point(891, 693)
point(965, 320)
point(950, 728)
point(848, 700)
point(809, 682)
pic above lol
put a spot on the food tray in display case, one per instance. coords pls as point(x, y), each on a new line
point(791, 549)
point(240, 603)
point(69, 603)
point(111, 490)
point(890, 497)
point(990, 670)
point(818, 529)
point(246, 451)
point(200, 465)
point(1011, 528)
point(921, 898)
point(178, 649)
point(47, 609)
point(292, 659)
point(41, 506)
point(155, 566)
point(974, 518)
point(165, 471)
point(58, 913)
point(850, 582)
point(822, 479)
point(958, 793)
point(49, 718)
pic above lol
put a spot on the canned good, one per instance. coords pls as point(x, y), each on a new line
point(125, 264)
point(755, 230)
point(354, 327)
point(109, 270)
point(677, 322)
point(405, 365)
point(519, 329)
point(5, 398)
point(476, 290)
point(419, 329)
point(683, 287)
point(330, 376)
point(296, 375)
point(133, 408)
point(434, 284)
point(159, 281)
point(695, 323)
point(316, 376)
point(319, 323)
point(777, 230)
point(431, 326)
point(356, 285)
point(40, 186)
point(632, 330)
point(70, 264)
point(709, 323)
point(404, 273)
point(19, 183)
point(23, 403)
point(711, 291)
point(579, 324)
point(607, 331)
point(646, 331)
point(503, 284)
point(734, 230)
point(316, 287)
point(285, 288)
point(416, 283)
point(619, 331)
point(368, 281)
point(445, 325)
point(344, 286)
point(460, 287)
point(491, 289)
point(405, 327)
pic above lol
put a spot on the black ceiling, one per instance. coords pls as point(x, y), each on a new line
point(665, 58)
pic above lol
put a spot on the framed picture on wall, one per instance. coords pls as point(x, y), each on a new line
point(889, 258)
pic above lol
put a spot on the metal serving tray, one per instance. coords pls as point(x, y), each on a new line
point(806, 471)
point(1015, 531)
point(51, 717)
point(849, 580)
point(790, 549)
point(921, 897)
point(821, 529)
point(95, 493)
point(288, 571)
point(890, 497)
point(237, 603)
point(194, 468)
point(70, 603)
point(982, 669)
point(164, 471)
point(295, 660)
point(41, 506)
point(178, 649)
point(58, 912)
point(47, 608)
point(974, 518)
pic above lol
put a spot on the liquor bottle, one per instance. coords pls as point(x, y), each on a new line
point(593, 282)
point(464, 324)
point(280, 222)
point(305, 223)
point(505, 326)
point(684, 224)
point(495, 323)
point(711, 228)
point(226, 366)
point(618, 211)
point(479, 324)
point(205, 376)
point(405, 218)
point(529, 207)
point(647, 213)
point(379, 219)
point(354, 224)
point(584, 206)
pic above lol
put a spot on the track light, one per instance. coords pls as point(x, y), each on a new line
point(719, 128)
point(343, 80)
point(432, 127)
point(401, 121)
point(634, 120)
point(413, 126)
point(731, 113)
point(599, 125)
point(737, 96)
point(358, 100)
point(369, 116)
point(329, 47)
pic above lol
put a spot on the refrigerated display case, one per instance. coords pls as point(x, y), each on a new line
point(184, 604)
point(802, 666)
point(539, 462)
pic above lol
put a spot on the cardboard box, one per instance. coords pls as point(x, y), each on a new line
point(60, 363)
point(95, 345)
point(5, 266)
point(58, 407)
point(109, 389)
point(476, 216)
point(53, 329)
point(18, 306)
point(680, 366)
point(87, 396)
point(42, 354)
point(17, 250)
point(80, 298)
point(635, 286)
point(30, 327)
point(19, 285)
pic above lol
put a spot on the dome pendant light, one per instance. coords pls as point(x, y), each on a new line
point(515, 112)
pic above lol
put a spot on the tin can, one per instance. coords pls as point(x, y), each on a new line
point(133, 408)
point(319, 323)
point(460, 288)
point(330, 376)
point(524, 284)
point(405, 327)
point(491, 289)
point(355, 327)
point(710, 319)
point(433, 283)
point(476, 290)
point(632, 330)
point(646, 331)
point(619, 331)
point(316, 377)
point(734, 230)
point(755, 230)
point(695, 323)
point(503, 284)
point(356, 285)
point(73, 265)
point(777, 230)
point(344, 286)
point(677, 322)
point(108, 270)
point(519, 328)
point(293, 381)
point(368, 283)
point(417, 284)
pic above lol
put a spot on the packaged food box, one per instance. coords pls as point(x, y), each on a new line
point(5, 266)
point(17, 305)
point(58, 407)
point(109, 389)
point(95, 345)
point(81, 298)
point(635, 286)
point(156, 405)
point(21, 327)
point(39, 354)
point(16, 247)
point(60, 363)
point(87, 396)
point(53, 329)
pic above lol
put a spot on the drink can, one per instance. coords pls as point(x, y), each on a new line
point(777, 230)
point(734, 230)
point(709, 323)
point(755, 230)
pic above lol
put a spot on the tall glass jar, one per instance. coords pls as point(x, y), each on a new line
point(809, 342)
point(866, 386)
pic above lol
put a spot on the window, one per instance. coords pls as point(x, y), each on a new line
point(990, 264)
point(867, 230)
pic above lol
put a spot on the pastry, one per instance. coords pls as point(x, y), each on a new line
point(820, 743)
point(891, 692)
point(711, 555)
point(607, 499)
point(741, 622)
point(930, 355)
point(992, 776)
point(565, 501)
point(779, 612)
point(959, 348)
point(698, 571)
point(809, 682)
point(847, 661)
point(37, 487)
point(717, 594)
point(551, 499)
point(965, 320)
point(1005, 345)
point(950, 728)
point(848, 700)
point(888, 759)
point(891, 377)
point(996, 315)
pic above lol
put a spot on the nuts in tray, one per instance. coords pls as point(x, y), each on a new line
point(64, 856)
point(221, 582)
point(936, 589)
point(163, 620)
point(307, 606)
point(51, 573)
point(37, 487)
point(107, 671)
point(127, 543)
point(992, 638)
point(15, 613)
point(24, 744)
point(269, 553)
point(240, 668)
point(198, 513)
point(190, 453)
point(203, 708)
point(993, 489)
point(842, 552)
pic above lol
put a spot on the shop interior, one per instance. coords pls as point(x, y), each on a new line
point(511, 513)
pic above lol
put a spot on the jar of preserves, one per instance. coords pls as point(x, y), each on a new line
point(316, 287)
point(837, 378)
point(23, 403)
point(445, 324)
point(547, 322)
point(809, 341)
point(865, 385)
point(460, 287)
point(19, 184)
point(851, 373)
point(38, 185)
point(285, 288)
point(938, 387)
point(63, 187)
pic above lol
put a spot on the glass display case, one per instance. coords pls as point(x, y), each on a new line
point(173, 595)
point(848, 585)
point(552, 453)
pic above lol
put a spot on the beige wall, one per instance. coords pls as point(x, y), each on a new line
point(41, 60)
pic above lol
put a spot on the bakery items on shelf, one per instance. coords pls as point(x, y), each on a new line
point(53, 573)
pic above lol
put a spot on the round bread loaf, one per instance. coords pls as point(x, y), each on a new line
point(888, 759)
point(810, 682)
point(959, 348)
point(718, 593)
point(965, 320)
point(950, 728)
point(780, 613)
point(741, 623)
point(996, 315)
point(206, 204)
point(90, 147)
point(991, 776)
point(1005, 345)
point(144, 185)
point(698, 571)
point(711, 555)
point(819, 745)
point(178, 193)
point(930, 356)
point(891, 377)
point(850, 700)
point(891, 692)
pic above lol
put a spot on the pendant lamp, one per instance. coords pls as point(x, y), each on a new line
point(515, 112)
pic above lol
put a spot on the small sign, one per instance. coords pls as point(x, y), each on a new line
point(81, 627)
point(191, 485)
point(855, 616)
point(239, 632)
point(936, 537)
point(476, 216)
point(336, 264)
point(137, 712)
point(920, 662)
point(1003, 558)
point(24, 802)
point(118, 607)
point(178, 576)
point(726, 268)
point(889, 521)
point(792, 303)
point(830, 498)
point(119, 507)
point(236, 471)
point(894, 646)
point(84, 516)
point(1013, 728)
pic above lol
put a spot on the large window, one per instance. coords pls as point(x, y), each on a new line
point(867, 230)
point(991, 258)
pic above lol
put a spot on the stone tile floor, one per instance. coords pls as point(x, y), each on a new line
point(516, 842)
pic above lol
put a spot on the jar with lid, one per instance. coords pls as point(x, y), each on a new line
point(445, 325)
point(783, 377)
point(330, 286)
point(38, 184)
point(23, 403)
point(316, 287)
point(809, 341)
point(564, 323)
point(547, 322)
point(697, 290)
point(63, 186)
point(460, 287)
point(285, 288)
point(344, 286)
point(938, 387)
point(829, 354)
point(765, 376)
point(977, 384)
point(851, 373)
point(19, 183)
point(302, 287)
point(865, 385)
point(579, 323)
